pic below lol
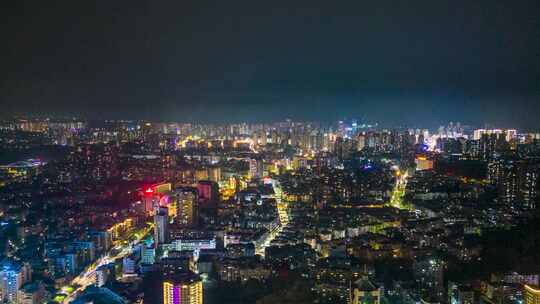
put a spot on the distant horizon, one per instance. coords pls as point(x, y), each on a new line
point(362, 121)
point(502, 115)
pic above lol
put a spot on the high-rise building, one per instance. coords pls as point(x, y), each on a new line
point(185, 289)
point(129, 264)
point(509, 134)
point(161, 225)
point(201, 174)
point(491, 144)
point(477, 134)
point(187, 204)
point(517, 181)
point(531, 295)
point(12, 276)
point(148, 255)
point(214, 173)
point(208, 193)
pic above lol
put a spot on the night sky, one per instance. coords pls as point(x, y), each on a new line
point(414, 62)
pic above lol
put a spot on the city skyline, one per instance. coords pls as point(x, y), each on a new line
point(278, 152)
point(143, 212)
point(363, 122)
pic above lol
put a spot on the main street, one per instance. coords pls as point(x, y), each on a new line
point(283, 218)
point(398, 193)
point(88, 276)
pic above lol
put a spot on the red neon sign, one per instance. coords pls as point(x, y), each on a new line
point(149, 191)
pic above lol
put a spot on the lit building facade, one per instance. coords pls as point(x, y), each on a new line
point(423, 163)
point(183, 290)
point(517, 181)
point(531, 295)
point(256, 168)
point(12, 276)
point(208, 193)
point(187, 207)
point(364, 291)
point(151, 196)
point(161, 226)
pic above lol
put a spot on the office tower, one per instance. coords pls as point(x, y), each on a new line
point(12, 276)
point(187, 204)
point(531, 295)
point(208, 193)
point(183, 289)
point(161, 222)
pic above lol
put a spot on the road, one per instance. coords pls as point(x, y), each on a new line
point(88, 277)
point(283, 219)
point(398, 193)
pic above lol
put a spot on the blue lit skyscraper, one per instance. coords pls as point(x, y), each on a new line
point(12, 276)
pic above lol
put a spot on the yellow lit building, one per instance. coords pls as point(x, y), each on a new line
point(201, 174)
point(423, 163)
point(172, 206)
point(162, 188)
point(214, 174)
point(531, 295)
point(183, 290)
point(364, 291)
point(122, 228)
